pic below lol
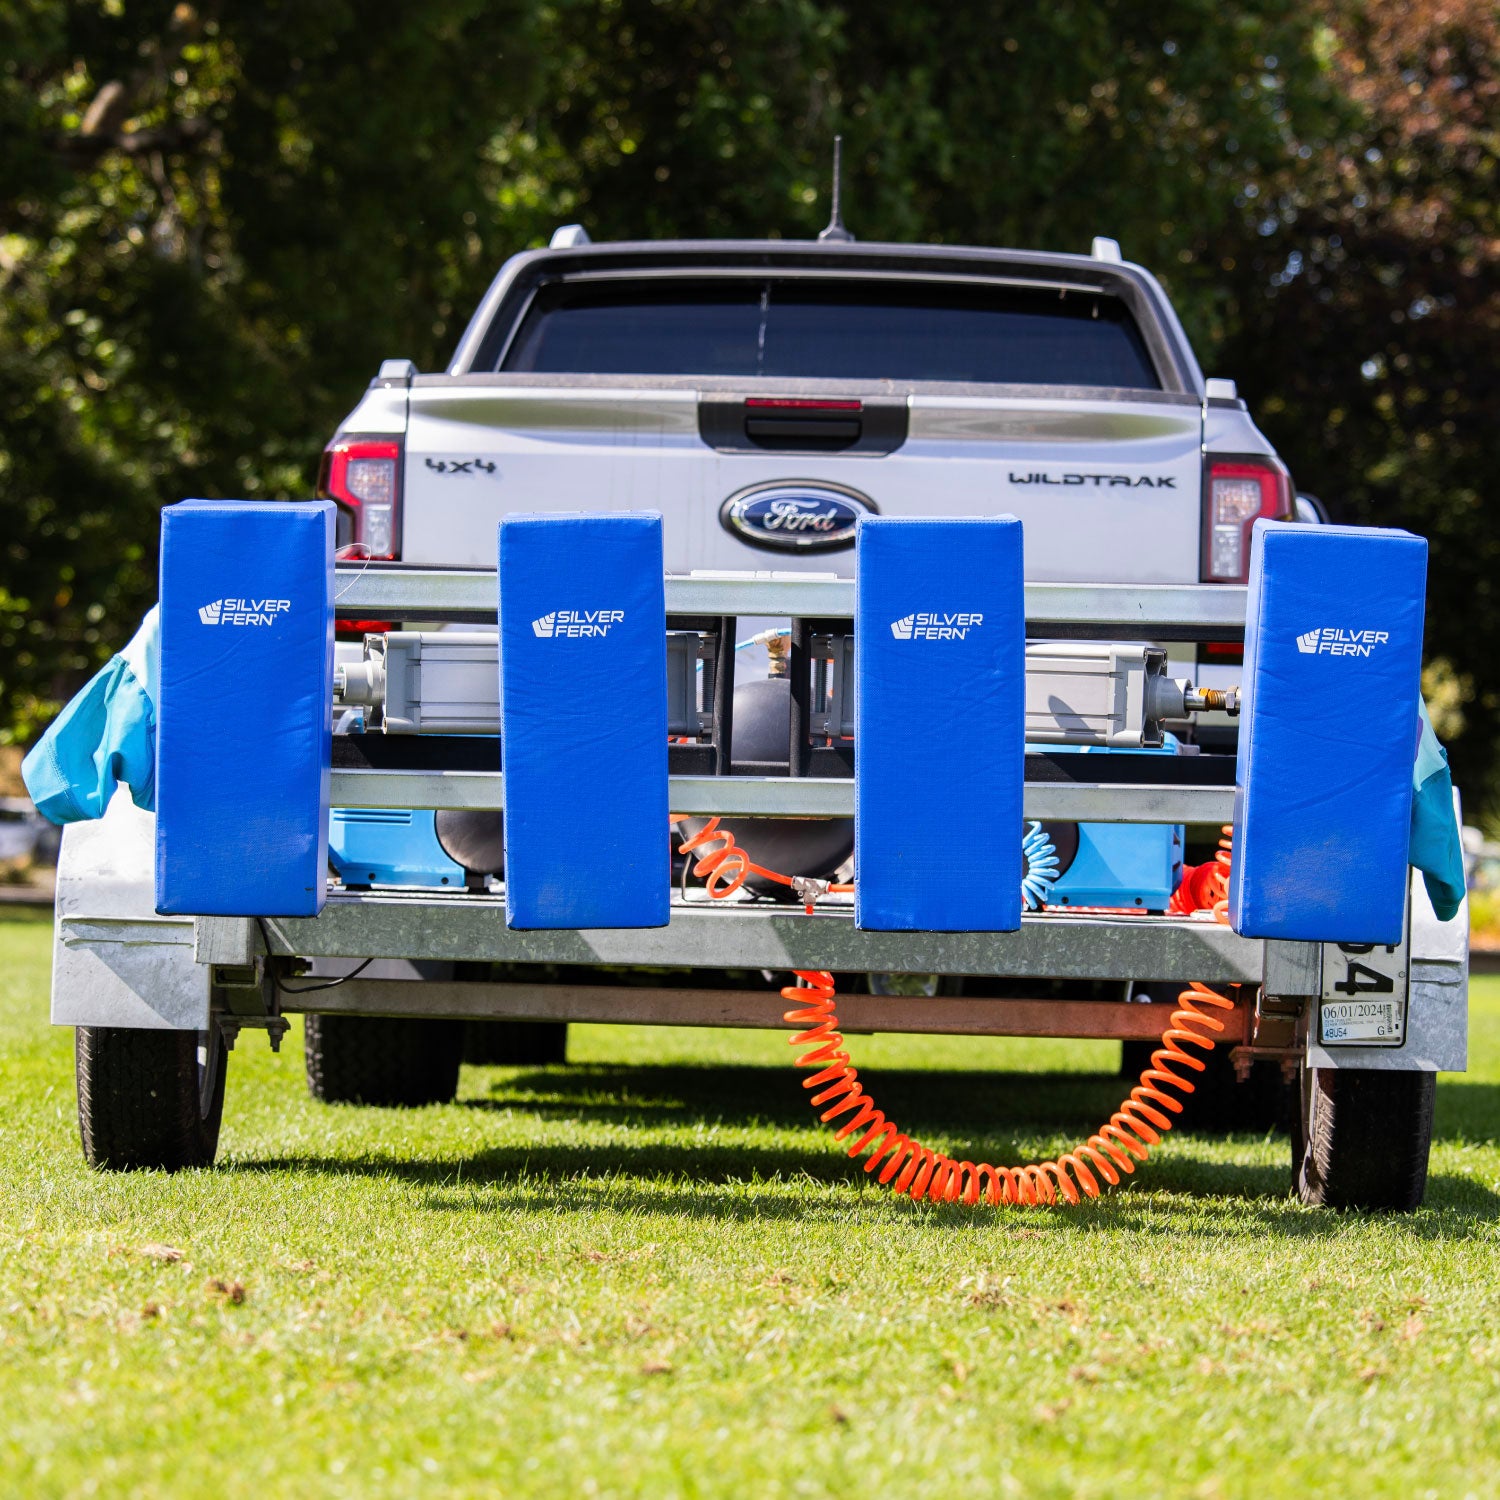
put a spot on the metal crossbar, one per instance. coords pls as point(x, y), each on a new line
point(806, 797)
point(743, 934)
point(1099, 611)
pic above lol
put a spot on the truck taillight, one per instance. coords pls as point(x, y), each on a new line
point(363, 476)
point(1236, 492)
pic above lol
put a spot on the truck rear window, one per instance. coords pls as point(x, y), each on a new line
point(810, 329)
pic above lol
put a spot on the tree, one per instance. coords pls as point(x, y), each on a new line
point(970, 122)
point(214, 227)
point(215, 224)
point(1367, 316)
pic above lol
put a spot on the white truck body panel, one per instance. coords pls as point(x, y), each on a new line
point(1106, 488)
point(115, 962)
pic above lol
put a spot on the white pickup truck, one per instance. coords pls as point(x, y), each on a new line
point(763, 396)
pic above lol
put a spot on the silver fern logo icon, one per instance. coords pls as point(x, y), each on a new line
point(209, 613)
point(1308, 644)
point(544, 626)
point(901, 628)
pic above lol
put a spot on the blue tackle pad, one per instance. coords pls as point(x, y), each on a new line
point(583, 720)
point(244, 716)
point(1328, 733)
point(940, 654)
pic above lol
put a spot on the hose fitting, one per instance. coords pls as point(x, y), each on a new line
point(1217, 700)
point(807, 890)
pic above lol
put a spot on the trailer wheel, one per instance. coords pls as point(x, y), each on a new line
point(1363, 1138)
point(391, 1061)
point(515, 1043)
point(149, 1099)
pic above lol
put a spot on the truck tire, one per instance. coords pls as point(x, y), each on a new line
point(149, 1099)
point(1363, 1138)
point(395, 1062)
point(515, 1043)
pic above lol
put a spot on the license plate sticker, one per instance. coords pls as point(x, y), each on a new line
point(1363, 1003)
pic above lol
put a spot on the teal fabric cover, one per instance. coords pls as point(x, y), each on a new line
point(104, 738)
point(1436, 848)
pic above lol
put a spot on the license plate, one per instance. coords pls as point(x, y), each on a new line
point(1363, 1003)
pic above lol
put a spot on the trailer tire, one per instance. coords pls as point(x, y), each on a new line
point(1363, 1139)
point(512, 1044)
point(394, 1062)
point(147, 1100)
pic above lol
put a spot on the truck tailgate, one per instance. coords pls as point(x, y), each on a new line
point(1107, 484)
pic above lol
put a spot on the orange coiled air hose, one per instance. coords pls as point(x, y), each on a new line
point(910, 1168)
point(917, 1171)
point(724, 864)
point(1204, 887)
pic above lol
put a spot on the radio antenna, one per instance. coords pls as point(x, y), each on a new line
point(835, 229)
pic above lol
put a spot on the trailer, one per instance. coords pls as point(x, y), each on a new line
point(161, 990)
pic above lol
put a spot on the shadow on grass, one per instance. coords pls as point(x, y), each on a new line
point(1231, 1199)
point(654, 1095)
point(975, 1113)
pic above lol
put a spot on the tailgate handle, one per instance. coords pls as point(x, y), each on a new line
point(831, 432)
point(802, 424)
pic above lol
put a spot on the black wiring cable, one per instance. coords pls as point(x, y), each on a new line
point(307, 989)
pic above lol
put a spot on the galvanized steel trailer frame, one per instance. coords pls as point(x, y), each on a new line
point(410, 927)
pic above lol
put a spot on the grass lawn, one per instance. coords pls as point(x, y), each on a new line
point(650, 1273)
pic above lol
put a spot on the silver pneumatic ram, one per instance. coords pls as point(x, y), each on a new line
point(1077, 693)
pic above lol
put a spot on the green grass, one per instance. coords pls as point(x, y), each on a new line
point(650, 1274)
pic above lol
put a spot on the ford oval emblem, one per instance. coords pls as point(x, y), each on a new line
point(796, 515)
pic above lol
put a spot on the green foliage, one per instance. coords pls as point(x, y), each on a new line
point(1368, 315)
point(970, 122)
point(216, 219)
point(215, 226)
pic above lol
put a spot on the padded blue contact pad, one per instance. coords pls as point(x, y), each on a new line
point(245, 708)
point(1328, 733)
point(583, 720)
point(940, 660)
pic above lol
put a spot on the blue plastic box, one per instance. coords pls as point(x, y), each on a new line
point(390, 846)
point(1130, 866)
